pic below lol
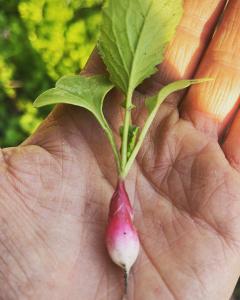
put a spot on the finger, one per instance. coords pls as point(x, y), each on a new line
point(231, 145)
point(192, 35)
point(210, 106)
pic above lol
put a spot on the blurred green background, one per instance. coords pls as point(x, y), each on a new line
point(40, 41)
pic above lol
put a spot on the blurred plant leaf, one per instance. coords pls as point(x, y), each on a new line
point(38, 45)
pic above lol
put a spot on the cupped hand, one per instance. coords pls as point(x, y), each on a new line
point(55, 188)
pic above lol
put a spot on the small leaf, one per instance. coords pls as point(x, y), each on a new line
point(124, 104)
point(134, 34)
point(153, 105)
point(156, 100)
point(132, 138)
point(86, 92)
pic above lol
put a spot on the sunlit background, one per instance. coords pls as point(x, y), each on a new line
point(40, 41)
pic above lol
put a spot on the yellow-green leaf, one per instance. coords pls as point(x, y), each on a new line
point(134, 34)
point(154, 102)
point(86, 92)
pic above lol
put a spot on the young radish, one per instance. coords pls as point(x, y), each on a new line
point(132, 42)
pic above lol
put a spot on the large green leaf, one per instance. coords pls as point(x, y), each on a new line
point(86, 92)
point(134, 34)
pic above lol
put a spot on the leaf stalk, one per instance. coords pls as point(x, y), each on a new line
point(127, 122)
point(113, 144)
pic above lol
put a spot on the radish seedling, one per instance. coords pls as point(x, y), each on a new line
point(134, 34)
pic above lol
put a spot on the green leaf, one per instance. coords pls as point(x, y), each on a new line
point(86, 92)
point(124, 105)
point(155, 101)
point(134, 34)
point(132, 138)
point(153, 105)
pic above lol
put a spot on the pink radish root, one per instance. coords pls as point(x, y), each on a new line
point(121, 236)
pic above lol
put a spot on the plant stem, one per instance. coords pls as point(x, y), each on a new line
point(163, 94)
point(112, 142)
point(138, 145)
point(127, 122)
point(144, 131)
point(125, 282)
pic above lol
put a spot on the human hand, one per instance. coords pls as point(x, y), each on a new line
point(56, 187)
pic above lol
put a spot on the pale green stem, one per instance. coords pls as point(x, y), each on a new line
point(127, 122)
point(110, 137)
point(139, 143)
point(166, 91)
point(114, 147)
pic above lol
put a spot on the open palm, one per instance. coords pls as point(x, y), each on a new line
point(56, 187)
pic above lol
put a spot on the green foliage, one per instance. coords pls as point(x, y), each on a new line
point(72, 35)
point(154, 102)
point(133, 37)
point(131, 52)
point(40, 40)
point(132, 139)
point(86, 92)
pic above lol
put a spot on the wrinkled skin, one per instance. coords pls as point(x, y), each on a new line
point(56, 187)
